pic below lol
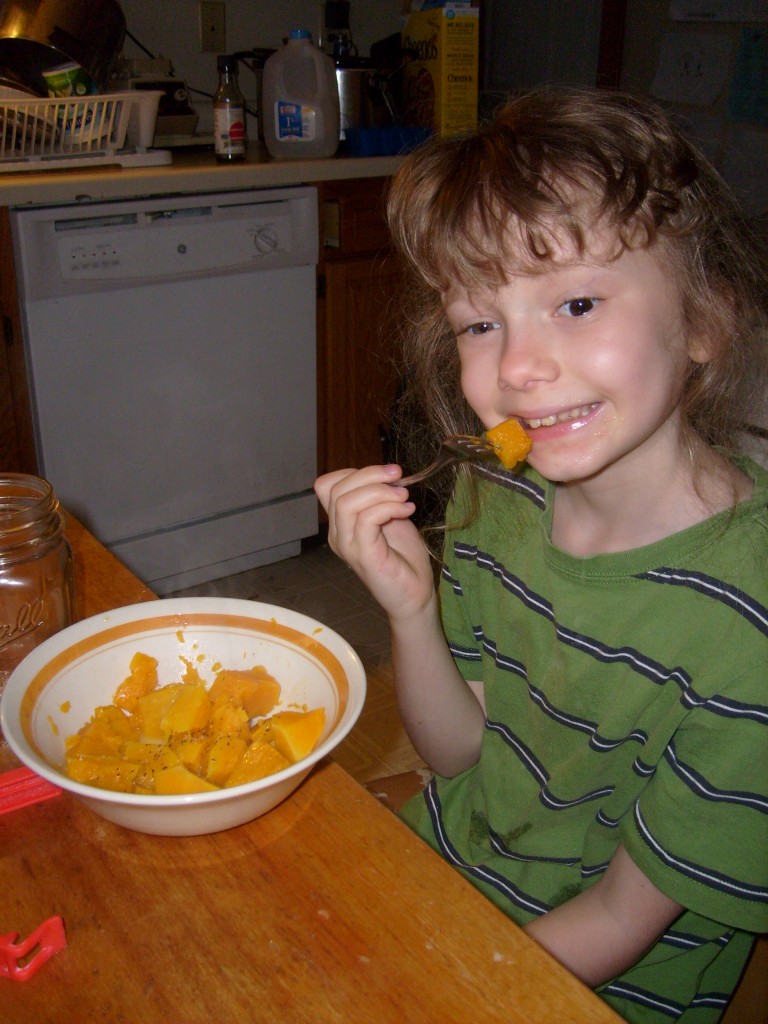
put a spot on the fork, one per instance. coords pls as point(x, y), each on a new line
point(452, 449)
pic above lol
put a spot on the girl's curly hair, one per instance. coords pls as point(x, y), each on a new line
point(472, 209)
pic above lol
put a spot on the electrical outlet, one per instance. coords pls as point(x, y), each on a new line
point(213, 30)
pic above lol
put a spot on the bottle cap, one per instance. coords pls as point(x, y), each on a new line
point(226, 62)
point(299, 33)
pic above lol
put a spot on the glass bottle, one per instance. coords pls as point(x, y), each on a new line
point(229, 129)
point(36, 578)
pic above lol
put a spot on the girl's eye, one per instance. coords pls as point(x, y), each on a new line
point(483, 327)
point(578, 307)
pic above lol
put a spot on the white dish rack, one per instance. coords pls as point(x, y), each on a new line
point(84, 131)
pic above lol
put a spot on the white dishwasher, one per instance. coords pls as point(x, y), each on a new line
point(171, 349)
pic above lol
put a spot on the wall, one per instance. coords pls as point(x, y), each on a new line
point(528, 43)
point(171, 29)
point(698, 91)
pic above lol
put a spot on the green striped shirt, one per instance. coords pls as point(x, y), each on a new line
point(627, 702)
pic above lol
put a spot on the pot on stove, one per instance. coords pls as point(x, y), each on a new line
point(39, 35)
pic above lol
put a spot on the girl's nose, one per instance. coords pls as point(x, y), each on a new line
point(525, 361)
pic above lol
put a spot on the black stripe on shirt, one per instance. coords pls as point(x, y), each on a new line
point(642, 997)
point(696, 782)
point(451, 580)
point(585, 725)
point(711, 1000)
point(512, 481)
point(524, 753)
point(753, 611)
point(669, 1007)
point(465, 653)
point(714, 879)
point(478, 871)
point(501, 660)
point(501, 848)
point(647, 667)
point(687, 940)
point(539, 772)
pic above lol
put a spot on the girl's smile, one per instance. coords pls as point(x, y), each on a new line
point(572, 419)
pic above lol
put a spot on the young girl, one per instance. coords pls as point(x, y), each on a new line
point(590, 688)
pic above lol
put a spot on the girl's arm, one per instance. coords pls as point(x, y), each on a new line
point(369, 527)
point(442, 713)
point(606, 929)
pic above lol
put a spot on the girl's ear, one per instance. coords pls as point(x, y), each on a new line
point(703, 348)
point(712, 341)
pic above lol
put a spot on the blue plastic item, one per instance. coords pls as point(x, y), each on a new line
point(387, 141)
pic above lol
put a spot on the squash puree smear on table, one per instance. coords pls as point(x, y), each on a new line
point(184, 737)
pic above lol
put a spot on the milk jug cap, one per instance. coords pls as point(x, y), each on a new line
point(299, 33)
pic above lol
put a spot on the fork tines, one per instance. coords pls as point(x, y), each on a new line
point(476, 445)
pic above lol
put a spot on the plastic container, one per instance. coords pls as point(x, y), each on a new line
point(300, 101)
point(69, 80)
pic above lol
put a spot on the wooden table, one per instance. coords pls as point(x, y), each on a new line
point(327, 909)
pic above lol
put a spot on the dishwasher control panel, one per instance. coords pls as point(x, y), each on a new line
point(170, 238)
point(108, 251)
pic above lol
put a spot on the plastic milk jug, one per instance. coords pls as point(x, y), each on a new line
point(300, 101)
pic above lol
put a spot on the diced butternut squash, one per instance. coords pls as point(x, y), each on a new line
point(191, 751)
point(510, 442)
point(185, 738)
point(104, 734)
point(295, 733)
point(223, 757)
point(261, 730)
point(151, 709)
point(254, 689)
point(180, 780)
point(118, 721)
point(228, 718)
point(142, 679)
point(137, 751)
point(105, 772)
point(190, 711)
point(159, 758)
point(259, 760)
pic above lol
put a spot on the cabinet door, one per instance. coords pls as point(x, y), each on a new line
point(358, 360)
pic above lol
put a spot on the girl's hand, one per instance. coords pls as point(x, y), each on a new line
point(369, 527)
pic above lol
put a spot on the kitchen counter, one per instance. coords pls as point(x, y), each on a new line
point(190, 172)
point(326, 909)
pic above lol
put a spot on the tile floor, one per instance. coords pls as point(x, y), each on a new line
point(318, 584)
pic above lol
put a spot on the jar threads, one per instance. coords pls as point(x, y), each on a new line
point(36, 577)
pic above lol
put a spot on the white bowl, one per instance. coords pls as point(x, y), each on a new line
point(55, 689)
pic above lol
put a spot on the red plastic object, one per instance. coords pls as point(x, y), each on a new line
point(19, 961)
point(21, 787)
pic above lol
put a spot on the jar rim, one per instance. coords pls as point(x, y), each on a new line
point(29, 512)
point(24, 486)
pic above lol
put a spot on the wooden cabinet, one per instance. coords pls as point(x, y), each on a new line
point(17, 448)
point(358, 288)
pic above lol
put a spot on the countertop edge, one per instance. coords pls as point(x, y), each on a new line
point(189, 173)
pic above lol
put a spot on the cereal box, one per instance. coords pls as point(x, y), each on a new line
point(440, 82)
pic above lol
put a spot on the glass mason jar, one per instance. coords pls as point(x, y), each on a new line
point(36, 579)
